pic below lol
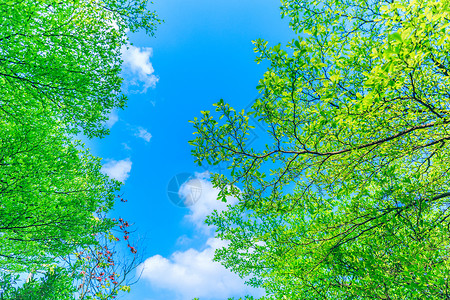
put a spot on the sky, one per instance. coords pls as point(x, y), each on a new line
point(202, 53)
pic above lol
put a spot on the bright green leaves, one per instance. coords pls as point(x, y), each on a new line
point(71, 66)
point(59, 75)
point(49, 189)
point(396, 36)
point(350, 189)
point(56, 284)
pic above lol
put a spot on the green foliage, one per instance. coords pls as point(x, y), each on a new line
point(63, 58)
point(60, 67)
point(49, 190)
point(55, 284)
point(349, 198)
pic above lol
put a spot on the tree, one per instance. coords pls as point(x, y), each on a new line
point(60, 70)
point(95, 271)
point(99, 271)
point(55, 284)
point(349, 197)
point(50, 190)
point(63, 57)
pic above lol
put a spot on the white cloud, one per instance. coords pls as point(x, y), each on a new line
point(184, 240)
point(143, 134)
point(192, 274)
point(125, 146)
point(205, 203)
point(113, 117)
point(119, 170)
point(138, 69)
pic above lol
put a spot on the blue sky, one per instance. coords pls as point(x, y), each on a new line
point(202, 53)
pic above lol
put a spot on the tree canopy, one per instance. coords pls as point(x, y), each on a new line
point(60, 64)
point(64, 57)
point(348, 199)
point(50, 191)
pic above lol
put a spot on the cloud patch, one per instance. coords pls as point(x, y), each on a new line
point(113, 117)
point(193, 273)
point(143, 134)
point(126, 147)
point(206, 203)
point(119, 170)
point(137, 68)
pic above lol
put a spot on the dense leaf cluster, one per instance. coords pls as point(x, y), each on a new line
point(60, 67)
point(349, 198)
